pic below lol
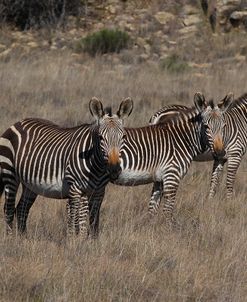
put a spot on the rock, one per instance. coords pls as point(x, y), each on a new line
point(163, 57)
point(164, 17)
point(226, 8)
point(238, 17)
point(188, 30)
point(240, 58)
point(130, 27)
point(172, 42)
point(99, 26)
point(143, 44)
point(164, 49)
point(143, 57)
point(2, 47)
point(15, 45)
point(112, 9)
point(5, 54)
point(140, 42)
point(53, 47)
point(192, 20)
point(33, 44)
point(147, 48)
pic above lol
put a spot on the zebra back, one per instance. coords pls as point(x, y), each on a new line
point(165, 113)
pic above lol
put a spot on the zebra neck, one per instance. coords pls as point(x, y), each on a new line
point(90, 151)
point(194, 138)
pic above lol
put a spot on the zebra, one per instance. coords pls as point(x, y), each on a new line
point(74, 163)
point(235, 141)
point(226, 112)
point(162, 153)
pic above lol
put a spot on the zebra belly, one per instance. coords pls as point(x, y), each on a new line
point(206, 156)
point(58, 190)
point(134, 178)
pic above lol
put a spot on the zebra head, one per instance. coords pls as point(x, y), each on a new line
point(213, 121)
point(111, 132)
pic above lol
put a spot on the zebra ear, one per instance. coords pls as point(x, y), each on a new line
point(199, 101)
point(96, 108)
point(226, 102)
point(125, 108)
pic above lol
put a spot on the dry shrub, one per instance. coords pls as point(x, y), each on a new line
point(37, 13)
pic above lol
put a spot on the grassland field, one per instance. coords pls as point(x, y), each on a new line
point(135, 257)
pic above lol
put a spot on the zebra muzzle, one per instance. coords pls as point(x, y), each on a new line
point(218, 146)
point(113, 167)
point(114, 171)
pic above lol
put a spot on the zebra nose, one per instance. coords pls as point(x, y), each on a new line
point(114, 171)
point(113, 157)
point(220, 154)
point(218, 147)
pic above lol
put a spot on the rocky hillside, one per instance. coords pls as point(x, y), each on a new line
point(196, 33)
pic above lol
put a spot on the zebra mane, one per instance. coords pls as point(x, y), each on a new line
point(211, 103)
point(183, 115)
point(108, 110)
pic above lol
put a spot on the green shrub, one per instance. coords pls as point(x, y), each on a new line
point(105, 41)
point(174, 64)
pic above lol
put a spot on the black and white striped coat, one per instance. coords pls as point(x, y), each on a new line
point(55, 162)
point(162, 153)
point(234, 139)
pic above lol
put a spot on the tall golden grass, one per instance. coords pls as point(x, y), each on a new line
point(135, 258)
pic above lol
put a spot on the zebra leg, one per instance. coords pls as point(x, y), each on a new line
point(157, 193)
point(216, 173)
point(9, 205)
point(72, 215)
point(77, 206)
point(170, 187)
point(26, 201)
point(82, 222)
point(232, 167)
point(94, 212)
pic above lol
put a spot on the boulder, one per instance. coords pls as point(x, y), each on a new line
point(238, 17)
point(164, 17)
point(191, 20)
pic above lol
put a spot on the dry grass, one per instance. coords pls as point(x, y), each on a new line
point(135, 258)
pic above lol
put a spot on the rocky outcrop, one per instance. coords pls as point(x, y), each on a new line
point(157, 32)
point(226, 14)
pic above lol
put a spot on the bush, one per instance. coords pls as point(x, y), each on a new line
point(105, 41)
point(36, 13)
point(174, 64)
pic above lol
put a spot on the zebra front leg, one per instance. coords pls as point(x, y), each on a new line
point(9, 205)
point(94, 212)
point(216, 173)
point(157, 193)
point(26, 201)
point(170, 186)
point(83, 217)
point(72, 215)
point(232, 167)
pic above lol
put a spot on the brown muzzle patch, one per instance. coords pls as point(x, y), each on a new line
point(113, 156)
point(218, 144)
